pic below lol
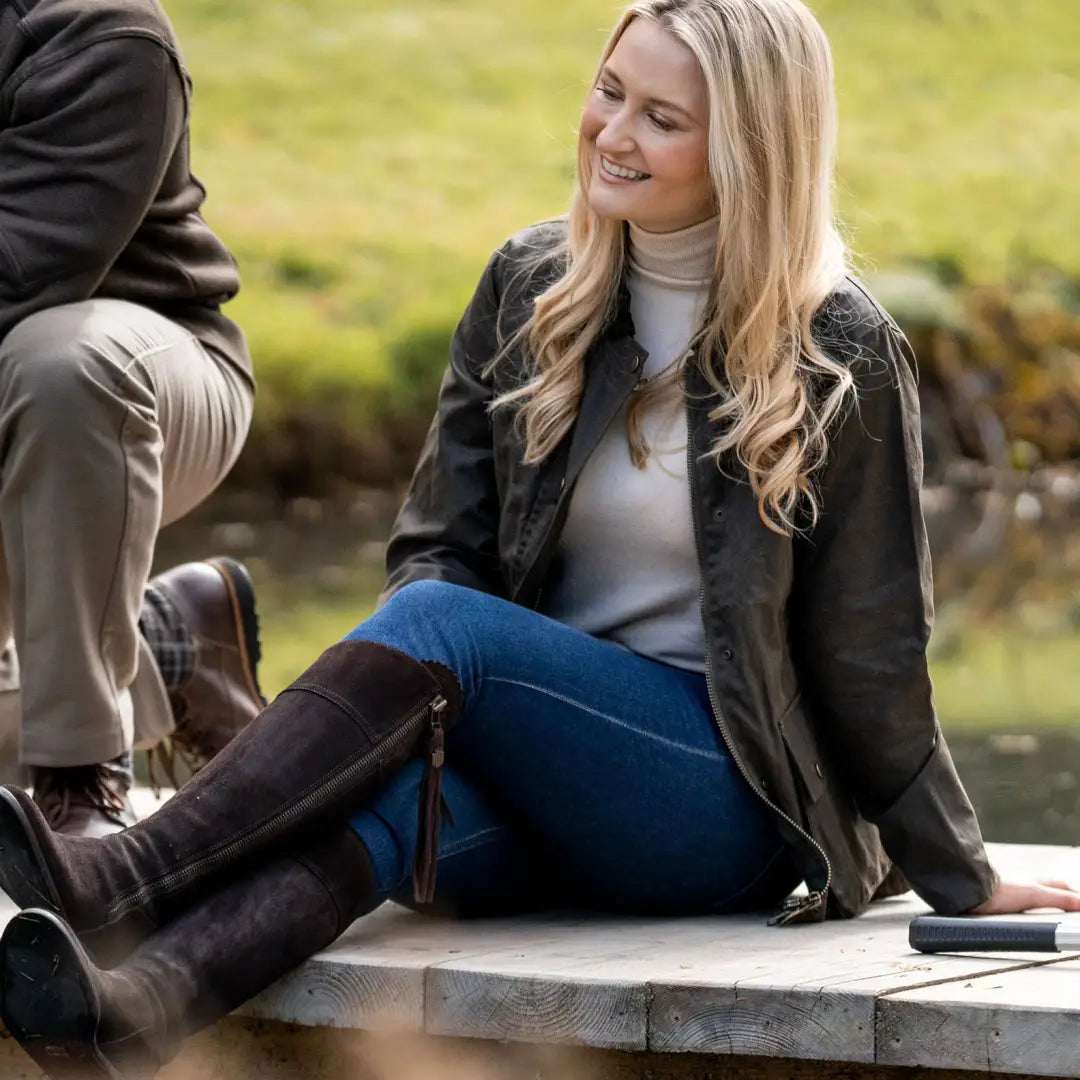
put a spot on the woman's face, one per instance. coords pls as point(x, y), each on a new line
point(645, 128)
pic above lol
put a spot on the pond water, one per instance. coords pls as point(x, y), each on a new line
point(1025, 785)
point(317, 569)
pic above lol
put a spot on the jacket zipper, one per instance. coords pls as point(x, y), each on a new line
point(428, 712)
point(795, 908)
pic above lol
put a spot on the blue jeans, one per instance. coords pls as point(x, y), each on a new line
point(579, 773)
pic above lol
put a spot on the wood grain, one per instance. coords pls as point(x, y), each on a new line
point(1019, 1020)
point(598, 1013)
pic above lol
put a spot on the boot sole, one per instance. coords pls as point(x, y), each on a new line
point(48, 1000)
point(241, 592)
point(24, 874)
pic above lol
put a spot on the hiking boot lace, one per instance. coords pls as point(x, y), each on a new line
point(101, 787)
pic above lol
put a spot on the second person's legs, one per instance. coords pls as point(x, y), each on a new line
point(113, 421)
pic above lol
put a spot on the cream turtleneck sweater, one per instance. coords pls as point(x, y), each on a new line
point(626, 563)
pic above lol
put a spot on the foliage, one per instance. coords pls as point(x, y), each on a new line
point(1011, 352)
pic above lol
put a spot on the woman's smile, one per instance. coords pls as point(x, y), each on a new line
point(615, 173)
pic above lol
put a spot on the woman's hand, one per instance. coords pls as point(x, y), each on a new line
point(1011, 897)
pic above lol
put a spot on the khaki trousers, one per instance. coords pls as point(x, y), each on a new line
point(114, 421)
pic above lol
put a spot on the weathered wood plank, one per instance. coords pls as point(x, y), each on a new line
point(587, 975)
point(373, 976)
point(722, 985)
point(762, 1023)
point(1020, 1020)
point(590, 1012)
point(327, 993)
point(725, 986)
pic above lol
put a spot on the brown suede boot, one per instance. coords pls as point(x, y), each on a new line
point(212, 674)
point(322, 749)
point(79, 1022)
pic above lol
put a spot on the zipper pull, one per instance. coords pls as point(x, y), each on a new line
point(801, 909)
point(436, 747)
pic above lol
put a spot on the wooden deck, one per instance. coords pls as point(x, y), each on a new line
point(722, 996)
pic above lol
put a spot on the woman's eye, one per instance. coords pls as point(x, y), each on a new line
point(607, 92)
point(661, 123)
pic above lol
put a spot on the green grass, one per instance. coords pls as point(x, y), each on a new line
point(364, 158)
point(1010, 677)
point(299, 619)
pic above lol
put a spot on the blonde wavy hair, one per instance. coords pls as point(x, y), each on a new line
point(771, 149)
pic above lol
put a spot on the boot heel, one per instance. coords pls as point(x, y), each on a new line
point(56, 1023)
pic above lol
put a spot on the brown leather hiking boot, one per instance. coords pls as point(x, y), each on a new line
point(219, 695)
point(85, 800)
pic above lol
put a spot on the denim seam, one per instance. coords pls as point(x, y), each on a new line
point(474, 840)
point(611, 719)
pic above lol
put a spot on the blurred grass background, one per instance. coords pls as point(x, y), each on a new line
point(363, 159)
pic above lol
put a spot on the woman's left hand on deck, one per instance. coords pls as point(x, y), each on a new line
point(1011, 897)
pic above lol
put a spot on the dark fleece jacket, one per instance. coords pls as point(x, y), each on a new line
point(96, 196)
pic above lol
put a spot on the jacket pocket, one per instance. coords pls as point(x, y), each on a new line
point(803, 751)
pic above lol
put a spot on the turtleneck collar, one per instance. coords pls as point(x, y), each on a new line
point(685, 259)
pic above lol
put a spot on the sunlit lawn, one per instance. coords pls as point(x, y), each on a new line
point(363, 158)
point(299, 620)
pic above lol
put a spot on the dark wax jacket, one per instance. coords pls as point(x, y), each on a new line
point(816, 645)
point(96, 196)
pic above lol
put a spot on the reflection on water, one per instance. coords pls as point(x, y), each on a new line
point(306, 544)
point(1025, 785)
point(317, 569)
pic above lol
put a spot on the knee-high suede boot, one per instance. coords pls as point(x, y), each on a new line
point(79, 1022)
point(321, 749)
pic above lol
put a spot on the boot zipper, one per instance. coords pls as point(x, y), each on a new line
point(426, 854)
point(795, 908)
point(284, 819)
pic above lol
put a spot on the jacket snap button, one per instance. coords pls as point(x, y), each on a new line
point(727, 654)
point(636, 365)
point(718, 514)
point(817, 769)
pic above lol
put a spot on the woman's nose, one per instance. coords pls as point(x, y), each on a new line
point(615, 136)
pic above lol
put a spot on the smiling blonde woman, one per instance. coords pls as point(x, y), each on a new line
point(654, 631)
point(722, 112)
